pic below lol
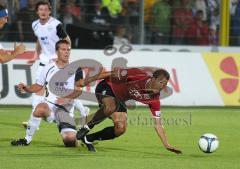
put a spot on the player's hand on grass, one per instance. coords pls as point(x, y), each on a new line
point(19, 49)
point(21, 87)
point(172, 149)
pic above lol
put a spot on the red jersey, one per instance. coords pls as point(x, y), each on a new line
point(131, 85)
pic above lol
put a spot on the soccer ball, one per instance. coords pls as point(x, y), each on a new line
point(208, 143)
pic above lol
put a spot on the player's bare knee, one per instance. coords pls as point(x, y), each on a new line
point(108, 110)
point(119, 128)
point(109, 106)
point(40, 110)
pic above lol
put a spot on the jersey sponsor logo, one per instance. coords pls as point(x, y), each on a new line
point(50, 28)
point(61, 86)
point(44, 39)
point(140, 95)
point(61, 83)
point(123, 72)
point(135, 93)
point(104, 92)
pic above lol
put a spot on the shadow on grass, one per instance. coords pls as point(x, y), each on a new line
point(11, 124)
point(149, 154)
point(34, 143)
point(200, 155)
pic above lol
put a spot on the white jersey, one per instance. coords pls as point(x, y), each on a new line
point(47, 37)
point(46, 75)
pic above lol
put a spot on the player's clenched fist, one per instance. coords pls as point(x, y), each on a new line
point(21, 87)
point(19, 49)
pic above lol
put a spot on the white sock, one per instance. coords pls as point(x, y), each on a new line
point(82, 109)
point(33, 125)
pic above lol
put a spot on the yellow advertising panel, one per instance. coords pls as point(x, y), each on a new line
point(225, 70)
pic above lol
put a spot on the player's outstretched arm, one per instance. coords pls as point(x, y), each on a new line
point(6, 56)
point(75, 94)
point(103, 75)
point(161, 133)
point(29, 89)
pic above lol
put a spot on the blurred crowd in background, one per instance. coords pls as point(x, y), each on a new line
point(166, 22)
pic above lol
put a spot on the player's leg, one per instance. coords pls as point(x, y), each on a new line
point(84, 111)
point(120, 125)
point(37, 97)
point(108, 105)
point(66, 125)
point(119, 118)
point(42, 110)
point(69, 139)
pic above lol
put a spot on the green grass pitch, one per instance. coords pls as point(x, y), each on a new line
point(138, 148)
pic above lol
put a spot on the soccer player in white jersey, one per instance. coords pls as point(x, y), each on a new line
point(48, 31)
point(49, 109)
point(6, 56)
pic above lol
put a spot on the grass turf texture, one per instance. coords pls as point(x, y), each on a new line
point(138, 148)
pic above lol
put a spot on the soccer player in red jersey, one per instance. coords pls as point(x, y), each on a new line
point(118, 87)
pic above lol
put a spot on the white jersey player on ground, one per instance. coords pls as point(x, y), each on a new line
point(49, 109)
point(48, 31)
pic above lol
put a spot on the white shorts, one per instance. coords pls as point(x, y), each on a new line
point(39, 70)
point(62, 116)
point(42, 64)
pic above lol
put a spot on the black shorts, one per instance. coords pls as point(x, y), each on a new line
point(104, 90)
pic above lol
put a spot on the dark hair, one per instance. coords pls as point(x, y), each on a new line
point(2, 7)
point(62, 41)
point(160, 72)
point(43, 3)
